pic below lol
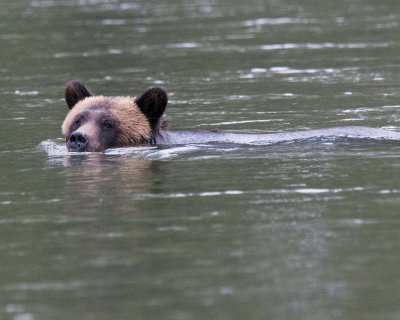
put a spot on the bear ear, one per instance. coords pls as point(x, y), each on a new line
point(75, 92)
point(153, 103)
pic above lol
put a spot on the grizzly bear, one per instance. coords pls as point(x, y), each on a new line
point(96, 123)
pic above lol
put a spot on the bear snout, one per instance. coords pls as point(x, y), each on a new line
point(78, 141)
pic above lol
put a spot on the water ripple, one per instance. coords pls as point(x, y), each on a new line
point(283, 191)
point(326, 45)
point(277, 21)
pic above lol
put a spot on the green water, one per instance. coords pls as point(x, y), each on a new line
point(300, 230)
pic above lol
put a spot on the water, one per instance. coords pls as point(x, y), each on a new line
point(298, 229)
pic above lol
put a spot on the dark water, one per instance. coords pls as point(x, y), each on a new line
point(296, 230)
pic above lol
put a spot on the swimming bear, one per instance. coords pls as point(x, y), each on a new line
point(96, 123)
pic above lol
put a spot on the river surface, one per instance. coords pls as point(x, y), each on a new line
point(305, 229)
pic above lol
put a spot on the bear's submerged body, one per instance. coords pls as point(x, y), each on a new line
point(350, 132)
point(96, 123)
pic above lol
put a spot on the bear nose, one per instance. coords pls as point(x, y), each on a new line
point(78, 141)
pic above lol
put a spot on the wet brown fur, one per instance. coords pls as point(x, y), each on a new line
point(135, 120)
point(132, 125)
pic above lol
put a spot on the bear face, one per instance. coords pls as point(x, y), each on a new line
point(95, 123)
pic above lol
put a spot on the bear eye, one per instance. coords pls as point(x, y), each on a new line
point(78, 123)
point(107, 125)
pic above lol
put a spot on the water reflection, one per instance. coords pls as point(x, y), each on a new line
point(90, 178)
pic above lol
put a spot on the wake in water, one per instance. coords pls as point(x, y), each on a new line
point(171, 143)
point(55, 149)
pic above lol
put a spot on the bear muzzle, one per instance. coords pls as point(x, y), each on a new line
point(77, 142)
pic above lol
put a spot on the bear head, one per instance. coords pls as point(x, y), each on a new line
point(95, 123)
